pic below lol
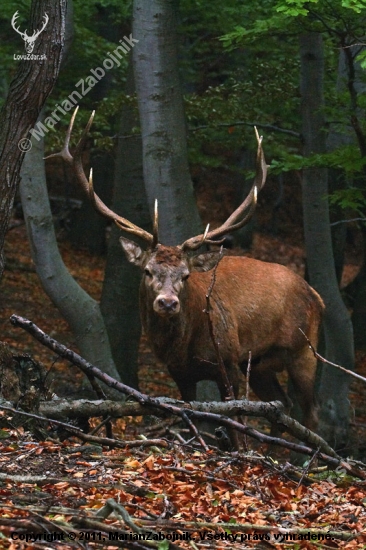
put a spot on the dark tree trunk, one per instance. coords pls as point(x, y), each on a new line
point(28, 92)
point(338, 336)
point(359, 309)
point(120, 296)
point(356, 87)
point(88, 228)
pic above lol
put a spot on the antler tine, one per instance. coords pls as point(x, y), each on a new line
point(121, 222)
point(80, 146)
point(232, 223)
point(91, 193)
point(155, 225)
point(65, 151)
point(14, 22)
point(261, 172)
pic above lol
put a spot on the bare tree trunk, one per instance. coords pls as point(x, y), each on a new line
point(356, 88)
point(338, 336)
point(120, 296)
point(80, 310)
point(163, 128)
point(28, 92)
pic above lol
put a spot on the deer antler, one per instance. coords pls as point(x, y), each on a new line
point(87, 184)
point(235, 220)
point(13, 22)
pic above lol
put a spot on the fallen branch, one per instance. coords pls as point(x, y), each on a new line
point(47, 480)
point(87, 408)
point(77, 432)
point(186, 412)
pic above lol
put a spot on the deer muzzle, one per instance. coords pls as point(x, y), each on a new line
point(166, 305)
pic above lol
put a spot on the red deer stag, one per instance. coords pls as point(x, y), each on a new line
point(256, 307)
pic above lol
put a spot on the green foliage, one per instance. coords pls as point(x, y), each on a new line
point(361, 58)
point(356, 5)
point(295, 8)
point(346, 158)
point(350, 199)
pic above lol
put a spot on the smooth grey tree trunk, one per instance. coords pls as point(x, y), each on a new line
point(350, 80)
point(163, 126)
point(338, 336)
point(80, 310)
point(120, 296)
point(355, 83)
point(163, 129)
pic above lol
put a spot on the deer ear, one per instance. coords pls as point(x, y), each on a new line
point(134, 254)
point(204, 262)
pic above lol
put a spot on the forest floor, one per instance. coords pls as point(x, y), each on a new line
point(211, 499)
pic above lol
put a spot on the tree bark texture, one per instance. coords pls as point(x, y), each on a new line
point(356, 87)
point(120, 295)
point(163, 128)
point(28, 92)
point(338, 336)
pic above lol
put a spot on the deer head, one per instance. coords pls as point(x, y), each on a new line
point(29, 40)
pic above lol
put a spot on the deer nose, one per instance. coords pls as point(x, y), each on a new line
point(168, 305)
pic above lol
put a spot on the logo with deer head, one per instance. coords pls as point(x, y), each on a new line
point(29, 41)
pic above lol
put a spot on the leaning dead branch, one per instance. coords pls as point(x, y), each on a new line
point(326, 452)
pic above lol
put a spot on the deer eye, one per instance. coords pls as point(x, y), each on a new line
point(185, 277)
point(148, 273)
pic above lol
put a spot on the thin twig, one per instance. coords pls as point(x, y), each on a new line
point(248, 375)
point(228, 125)
point(323, 360)
point(306, 470)
point(249, 366)
point(229, 393)
point(242, 123)
point(348, 221)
